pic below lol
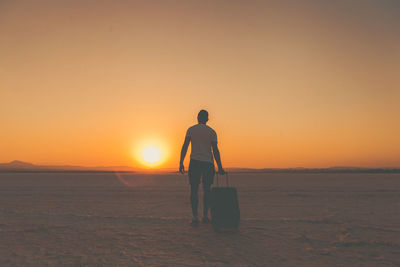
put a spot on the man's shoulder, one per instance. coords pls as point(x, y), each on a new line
point(210, 129)
point(192, 127)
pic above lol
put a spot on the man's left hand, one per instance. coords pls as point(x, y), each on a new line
point(181, 168)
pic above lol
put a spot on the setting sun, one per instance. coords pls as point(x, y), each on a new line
point(151, 154)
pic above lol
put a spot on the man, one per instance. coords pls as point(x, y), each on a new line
point(201, 167)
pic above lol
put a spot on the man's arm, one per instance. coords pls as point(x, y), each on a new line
point(183, 154)
point(217, 157)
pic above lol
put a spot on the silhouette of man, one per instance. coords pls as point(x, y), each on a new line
point(201, 166)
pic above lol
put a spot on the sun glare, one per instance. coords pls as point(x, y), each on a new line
point(151, 154)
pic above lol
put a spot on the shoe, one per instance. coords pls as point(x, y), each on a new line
point(194, 222)
point(205, 220)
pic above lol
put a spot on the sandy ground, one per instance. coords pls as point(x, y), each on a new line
point(287, 220)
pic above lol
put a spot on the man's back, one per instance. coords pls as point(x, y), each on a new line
point(201, 137)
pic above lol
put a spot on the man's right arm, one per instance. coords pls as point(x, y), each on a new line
point(183, 154)
point(217, 157)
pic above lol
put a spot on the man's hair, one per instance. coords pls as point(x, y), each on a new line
point(202, 116)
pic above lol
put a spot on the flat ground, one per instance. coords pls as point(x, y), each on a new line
point(287, 220)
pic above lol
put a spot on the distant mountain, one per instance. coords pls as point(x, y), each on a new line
point(316, 170)
point(20, 166)
point(17, 164)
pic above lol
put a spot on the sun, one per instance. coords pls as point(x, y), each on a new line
point(151, 154)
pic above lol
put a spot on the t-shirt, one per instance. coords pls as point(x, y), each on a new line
point(201, 137)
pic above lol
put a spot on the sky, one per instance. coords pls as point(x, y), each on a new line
point(286, 83)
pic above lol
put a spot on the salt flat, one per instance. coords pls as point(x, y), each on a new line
point(287, 220)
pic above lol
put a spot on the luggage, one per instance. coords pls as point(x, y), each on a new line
point(225, 211)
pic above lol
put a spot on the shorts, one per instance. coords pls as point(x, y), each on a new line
point(203, 170)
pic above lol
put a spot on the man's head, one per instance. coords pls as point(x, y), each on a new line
point(202, 117)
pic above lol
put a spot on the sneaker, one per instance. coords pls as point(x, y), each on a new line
point(194, 222)
point(205, 220)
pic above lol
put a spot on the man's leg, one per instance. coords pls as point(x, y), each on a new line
point(194, 179)
point(194, 198)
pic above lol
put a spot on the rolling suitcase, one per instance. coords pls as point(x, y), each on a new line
point(225, 213)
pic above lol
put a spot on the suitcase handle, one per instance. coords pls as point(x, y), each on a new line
point(227, 179)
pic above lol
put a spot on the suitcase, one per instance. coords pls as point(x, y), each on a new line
point(225, 213)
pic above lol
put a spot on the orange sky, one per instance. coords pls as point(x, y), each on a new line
point(305, 83)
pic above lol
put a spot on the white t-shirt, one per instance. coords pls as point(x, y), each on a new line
point(201, 137)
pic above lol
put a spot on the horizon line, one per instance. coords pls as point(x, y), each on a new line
point(21, 166)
